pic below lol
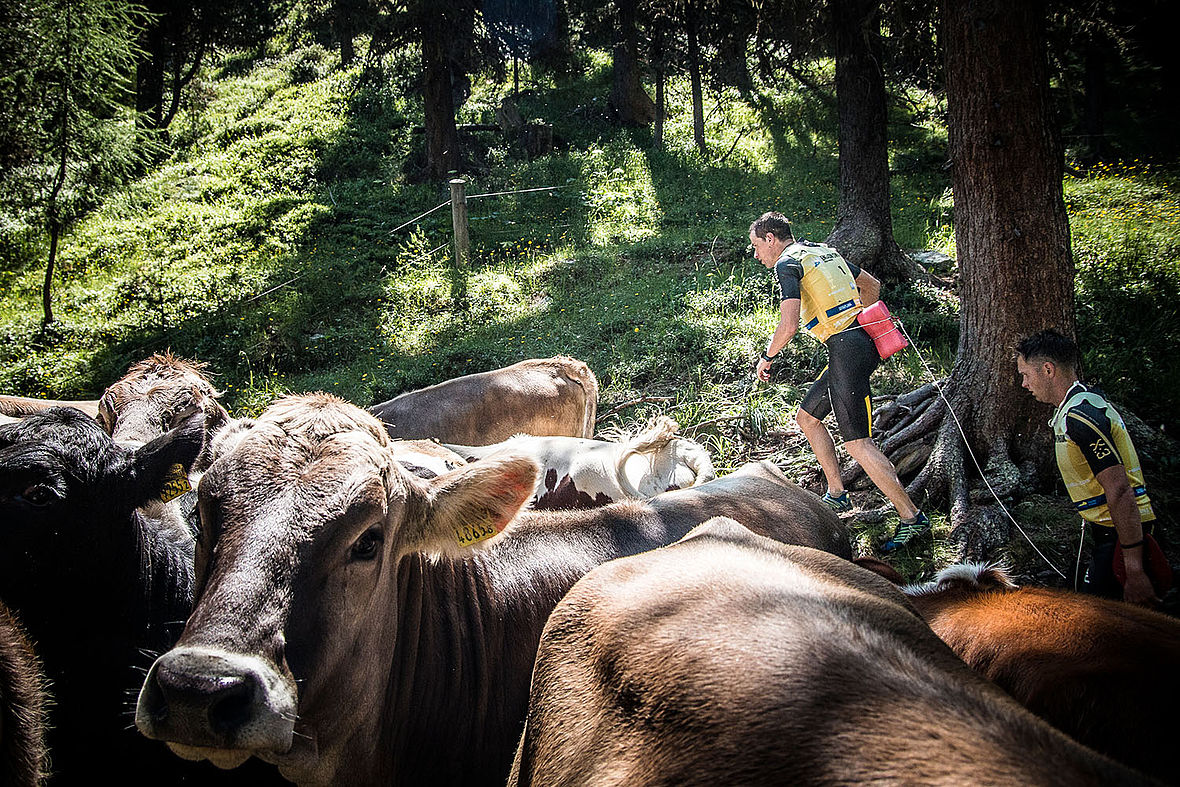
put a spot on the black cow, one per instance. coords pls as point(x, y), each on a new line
point(100, 586)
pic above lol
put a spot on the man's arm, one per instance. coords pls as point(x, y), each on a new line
point(870, 288)
point(788, 324)
point(1125, 513)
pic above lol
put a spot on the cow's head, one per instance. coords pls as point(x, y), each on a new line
point(305, 516)
point(156, 395)
point(67, 495)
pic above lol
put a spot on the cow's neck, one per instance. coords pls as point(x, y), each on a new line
point(467, 637)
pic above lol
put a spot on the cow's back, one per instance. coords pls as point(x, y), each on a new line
point(725, 659)
point(20, 406)
point(22, 707)
point(552, 396)
point(763, 499)
point(1105, 672)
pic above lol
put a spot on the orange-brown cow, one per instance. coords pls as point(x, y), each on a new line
point(1105, 672)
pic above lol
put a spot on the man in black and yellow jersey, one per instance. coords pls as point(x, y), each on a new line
point(1097, 462)
point(827, 292)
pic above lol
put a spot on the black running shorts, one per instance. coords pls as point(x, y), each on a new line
point(843, 385)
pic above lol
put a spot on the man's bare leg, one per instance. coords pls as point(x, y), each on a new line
point(823, 447)
point(881, 472)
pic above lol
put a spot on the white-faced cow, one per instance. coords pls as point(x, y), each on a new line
point(360, 625)
point(540, 396)
point(1105, 672)
point(20, 406)
point(728, 658)
point(580, 473)
point(96, 581)
point(23, 756)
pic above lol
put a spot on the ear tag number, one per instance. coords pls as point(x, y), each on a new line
point(176, 484)
point(473, 534)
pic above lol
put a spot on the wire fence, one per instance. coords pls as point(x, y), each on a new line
point(234, 307)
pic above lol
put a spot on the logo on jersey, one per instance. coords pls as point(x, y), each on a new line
point(1101, 449)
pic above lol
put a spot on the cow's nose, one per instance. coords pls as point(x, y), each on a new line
point(217, 700)
point(224, 700)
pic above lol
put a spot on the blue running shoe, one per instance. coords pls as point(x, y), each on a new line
point(838, 503)
point(907, 532)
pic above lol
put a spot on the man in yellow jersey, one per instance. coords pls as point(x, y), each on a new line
point(817, 284)
point(1097, 462)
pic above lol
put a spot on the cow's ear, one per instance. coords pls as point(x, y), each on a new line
point(471, 505)
point(160, 468)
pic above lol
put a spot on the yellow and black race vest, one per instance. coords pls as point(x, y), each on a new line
point(1084, 490)
point(830, 299)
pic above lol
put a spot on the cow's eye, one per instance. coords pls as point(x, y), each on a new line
point(367, 545)
point(39, 495)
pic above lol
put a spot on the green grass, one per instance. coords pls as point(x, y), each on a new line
point(266, 246)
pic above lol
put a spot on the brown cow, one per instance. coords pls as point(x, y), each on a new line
point(158, 394)
point(20, 406)
point(354, 626)
point(581, 473)
point(23, 757)
point(1105, 672)
point(728, 658)
point(541, 396)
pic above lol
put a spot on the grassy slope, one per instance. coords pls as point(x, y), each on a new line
point(265, 247)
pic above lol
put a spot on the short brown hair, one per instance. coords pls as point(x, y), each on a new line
point(1051, 346)
point(772, 221)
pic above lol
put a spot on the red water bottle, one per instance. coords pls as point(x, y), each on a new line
point(878, 324)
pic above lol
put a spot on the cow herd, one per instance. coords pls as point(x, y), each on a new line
point(461, 586)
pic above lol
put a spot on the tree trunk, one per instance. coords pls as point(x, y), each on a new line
point(864, 227)
point(1094, 132)
point(658, 136)
point(149, 77)
point(657, 56)
point(342, 26)
point(1015, 269)
point(47, 287)
point(1011, 230)
point(694, 75)
point(631, 105)
point(443, 155)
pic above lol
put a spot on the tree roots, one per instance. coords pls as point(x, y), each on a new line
point(918, 434)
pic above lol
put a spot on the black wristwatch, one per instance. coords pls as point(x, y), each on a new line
point(768, 358)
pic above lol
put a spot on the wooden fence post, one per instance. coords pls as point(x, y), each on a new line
point(462, 238)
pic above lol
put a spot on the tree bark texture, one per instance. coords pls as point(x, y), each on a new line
point(443, 154)
point(629, 102)
point(1011, 231)
point(864, 226)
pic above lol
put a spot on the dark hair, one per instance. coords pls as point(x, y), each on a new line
point(1050, 345)
point(772, 222)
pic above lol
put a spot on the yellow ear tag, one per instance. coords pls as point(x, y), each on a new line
point(176, 484)
point(473, 534)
